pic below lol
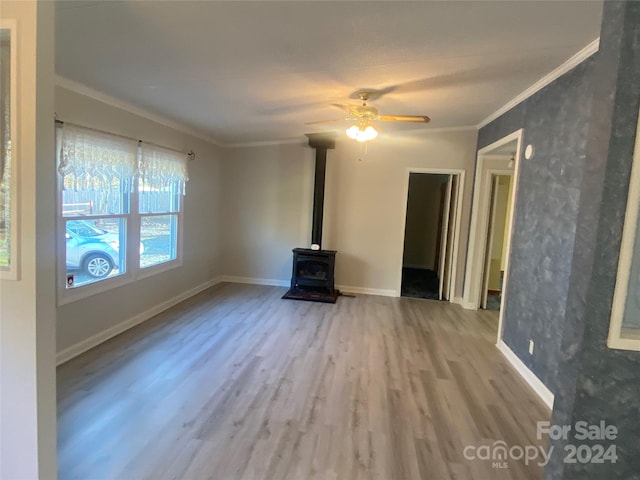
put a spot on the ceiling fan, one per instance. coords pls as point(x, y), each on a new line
point(364, 117)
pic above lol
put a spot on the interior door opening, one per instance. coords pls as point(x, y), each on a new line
point(429, 237)
point(497, 237)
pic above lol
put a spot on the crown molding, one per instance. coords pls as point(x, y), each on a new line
point(425, 131)
point(266, 143)
point(82, 89)
point(557, 72)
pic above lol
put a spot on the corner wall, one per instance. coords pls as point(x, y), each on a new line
point(268, 201)
point(267, 211)
point(27, 314)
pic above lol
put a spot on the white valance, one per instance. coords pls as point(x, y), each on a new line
point(96, 160)
point(160, 168)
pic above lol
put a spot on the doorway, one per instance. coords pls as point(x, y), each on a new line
point(430, 235)
point(497, 236)
point(501, 158)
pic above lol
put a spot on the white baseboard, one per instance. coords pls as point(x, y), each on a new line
point(255, 281)
point(285, 283)
point(95, 340)
point(540, 388)
point(468, 305)
point(368, 291)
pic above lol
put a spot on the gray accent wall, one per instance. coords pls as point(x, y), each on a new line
point(555, 121)
point(568, 229)
point(602, 384)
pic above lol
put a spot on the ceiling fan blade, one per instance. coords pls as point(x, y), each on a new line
point(325, 121)
point(346, 108)
point(404, 118)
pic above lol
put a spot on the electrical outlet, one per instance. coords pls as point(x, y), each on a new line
point(530, 347)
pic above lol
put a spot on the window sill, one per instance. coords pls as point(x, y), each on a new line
point(156, 269)
point(67, 296)
point(70, 295)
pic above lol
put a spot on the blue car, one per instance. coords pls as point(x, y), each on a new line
point(91, 250)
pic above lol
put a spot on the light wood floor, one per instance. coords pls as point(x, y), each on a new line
point(236, 383)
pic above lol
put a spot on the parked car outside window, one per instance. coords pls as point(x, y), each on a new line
point(92, 250)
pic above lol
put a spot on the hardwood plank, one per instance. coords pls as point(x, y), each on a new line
point(236, 383)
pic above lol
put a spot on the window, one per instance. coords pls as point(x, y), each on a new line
point(120, 207)
point(160, 187)
point(8, 167)
point(97, 172)
point(624, 328)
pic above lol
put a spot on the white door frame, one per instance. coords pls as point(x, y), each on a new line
point(479, 223)
point(444, 234)
point(450, 239)
point(456, 226)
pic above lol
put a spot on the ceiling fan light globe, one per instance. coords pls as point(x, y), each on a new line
point(370, 133)
point(353, 132)
point(361, 134)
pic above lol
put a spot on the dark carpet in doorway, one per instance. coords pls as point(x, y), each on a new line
point(420, 283)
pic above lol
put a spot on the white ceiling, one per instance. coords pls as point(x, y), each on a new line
point(256, 71)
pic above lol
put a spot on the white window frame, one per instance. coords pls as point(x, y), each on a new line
point(169, 264)
point(620, 337)
point(12, 271)
point(133, 271)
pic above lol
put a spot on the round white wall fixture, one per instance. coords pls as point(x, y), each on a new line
point(528, 152)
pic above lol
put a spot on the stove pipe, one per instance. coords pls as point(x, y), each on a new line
point(321, 142)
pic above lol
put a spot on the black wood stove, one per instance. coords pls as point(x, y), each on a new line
point(312, 275)
point(313, 269)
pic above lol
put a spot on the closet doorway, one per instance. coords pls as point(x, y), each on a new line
point(430, 234)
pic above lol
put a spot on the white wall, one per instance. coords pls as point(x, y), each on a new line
point(27, 313)
point(267, 210)
point(500, 232)
point(83, 319)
